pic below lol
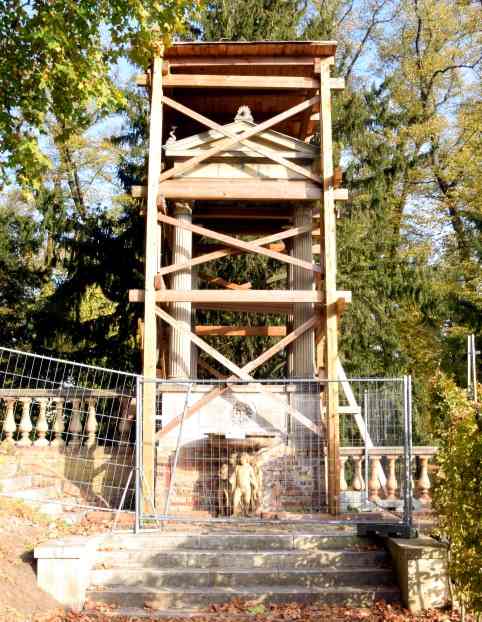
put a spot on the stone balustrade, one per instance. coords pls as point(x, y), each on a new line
point(41, 419)
point(385, 463)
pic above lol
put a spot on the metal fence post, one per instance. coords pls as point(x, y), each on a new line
point(365, 441)
point(410, 491)
point(407, 453)
point(138, 457)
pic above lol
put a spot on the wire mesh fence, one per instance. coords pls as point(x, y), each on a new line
point(223, 450)
point(67, 431)
point(237, 449)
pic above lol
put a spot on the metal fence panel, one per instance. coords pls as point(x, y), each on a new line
point(66, 428)
point(251, 450)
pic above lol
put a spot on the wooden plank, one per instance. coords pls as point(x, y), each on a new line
point(283, 235)
point(151, 269)
point(268, 190)
point(241, 61)
point(217, 280)
point(240, 296)
point(227, 49)
point(212, 189)
point(246, 246)
point(240, 331)
point(267, 153)
point(329, 316)
point(224, 145)
point(285, 308)
point(206, 81)
point(235, 297)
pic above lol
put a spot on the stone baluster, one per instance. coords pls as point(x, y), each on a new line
point(58, 426)
point(25, 426)
point(392, 483)
point(9, 425)
point(128, 415)
point(373, 483)
point(423, 483)
point(75, 425)
point(357, 483)
point(343, 483)
point(91, 423)
point(42, 426)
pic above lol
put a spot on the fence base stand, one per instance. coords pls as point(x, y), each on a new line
point(387, 530)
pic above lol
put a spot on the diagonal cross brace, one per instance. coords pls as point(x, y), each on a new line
point(232, 241)
point(195, 261)
point(224, 145)
point(239, 372)
point(267, 153)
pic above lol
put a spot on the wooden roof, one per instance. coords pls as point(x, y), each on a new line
point(313, 49)
point(219, 98)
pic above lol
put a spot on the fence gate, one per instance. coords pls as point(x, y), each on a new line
point(67, 431)
point(251, 450)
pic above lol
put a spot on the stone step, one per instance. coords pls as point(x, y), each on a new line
point(280, 559)
point(40, 493)
point(200, 598)
point(233, 541)
point(235, 578)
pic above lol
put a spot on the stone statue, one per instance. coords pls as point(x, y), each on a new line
point(240, 486)
point(244, 114)
point(245, 484)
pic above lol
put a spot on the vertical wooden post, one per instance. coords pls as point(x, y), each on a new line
point(150, 353)
point(328, 255)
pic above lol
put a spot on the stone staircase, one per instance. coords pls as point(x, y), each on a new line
point(174, 572)
point(43, 493)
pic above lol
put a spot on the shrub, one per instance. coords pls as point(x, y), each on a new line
point(457, 495)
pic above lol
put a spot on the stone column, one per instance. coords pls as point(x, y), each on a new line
point(302, 365)
point(180, 344)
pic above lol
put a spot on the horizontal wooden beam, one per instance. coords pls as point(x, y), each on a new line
point(241, 331)
point(197, 81)
point(240, 61)
point(240, 189)
point(257, 296)
point(241, 296)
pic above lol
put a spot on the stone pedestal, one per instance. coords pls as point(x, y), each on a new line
point(422, 572)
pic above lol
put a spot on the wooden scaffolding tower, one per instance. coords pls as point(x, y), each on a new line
point(286, 207)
